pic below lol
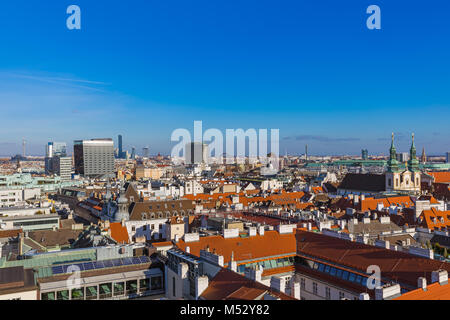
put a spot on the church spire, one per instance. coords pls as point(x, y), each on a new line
point(392, 163)
point(424, 156)
point(413, 163)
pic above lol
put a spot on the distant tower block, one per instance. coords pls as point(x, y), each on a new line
point(24, 142)
point(145, 152)
point(306, 152)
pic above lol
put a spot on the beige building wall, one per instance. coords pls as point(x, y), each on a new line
point(26, 295)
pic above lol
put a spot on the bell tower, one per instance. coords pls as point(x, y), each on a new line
point(413, 166)
point(392, 173)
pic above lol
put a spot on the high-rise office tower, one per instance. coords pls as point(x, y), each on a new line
point(62, 166)
point(145, 152)
point(196, 152)
point(94, 157)
point(403, 157)
point(120, 152)
point(133, 153)
point(364, 154)
point(52, 150)
point(447, 158)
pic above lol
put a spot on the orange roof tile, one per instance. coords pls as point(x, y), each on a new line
point(441, 176)
point(435, 291)
point(119, 233)
point(271, 243)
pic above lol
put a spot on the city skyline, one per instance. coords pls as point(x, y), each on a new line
point(314, 71)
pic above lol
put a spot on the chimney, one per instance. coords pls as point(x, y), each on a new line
point(183, 269)
point(295, 289)
point(422, 283)
point(201, 283)
point(364, 296)
point(233, 264)
point(309, 226)
point(261, 230)
point(254, 274)
point(363, 197)
point(387, 292)
point(21, 236)
point(278, 284)
point(356, 199)
point(188, 249)
point(440, 276)
point(123, 222)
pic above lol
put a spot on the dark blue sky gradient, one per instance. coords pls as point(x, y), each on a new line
point(144, 68)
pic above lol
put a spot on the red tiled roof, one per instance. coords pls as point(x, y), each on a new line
point(400, 266)
point(431, 219)
point(271, 243)
point(435, 291)
point(119, 233)
point(229, 285)
point(440, 176)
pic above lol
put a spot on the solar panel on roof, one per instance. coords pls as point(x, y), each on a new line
point(116, 262)
point(108, 263)
point(88, 266)
point(136, 260)
point(145, 259)
point(127, 261)
point(98, 265)
point(57, 270)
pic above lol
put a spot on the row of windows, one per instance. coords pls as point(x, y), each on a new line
point(315, 290)
point(268, 264)
point(342, 274)
point(106, 290)
point(33, 223)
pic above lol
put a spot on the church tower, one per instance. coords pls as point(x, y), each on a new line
point(423, 158)
point(393, 172)
point(122, 207)
point(413, 166)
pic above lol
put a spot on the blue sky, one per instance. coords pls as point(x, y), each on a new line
point(143, 68)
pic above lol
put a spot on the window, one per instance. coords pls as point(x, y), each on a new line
point(315, 288)
point(119, 288)
point(327, 293)
point(48, 296)
point(351, 277)
point(144, 285)
point(302, 283)
point(91, 293)
point(62, 295)
point(345, 275)
point(156, 283)
point(105, 290)
point(78, 294)
point(173, 287)
point(333, 271)
point(131, 287)
point(341, 295)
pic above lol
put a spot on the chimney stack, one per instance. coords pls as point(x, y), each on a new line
point(422, 283)
point(440, 276)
